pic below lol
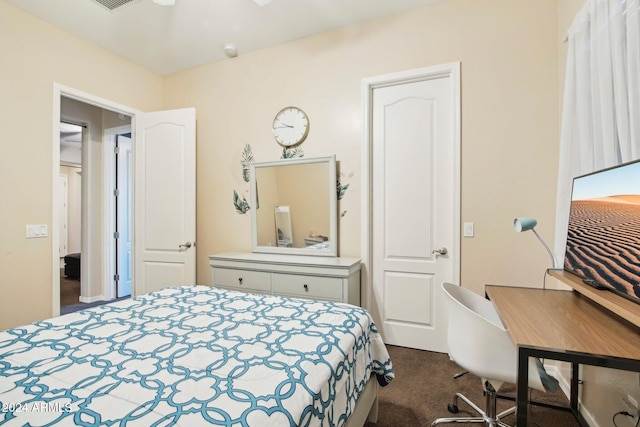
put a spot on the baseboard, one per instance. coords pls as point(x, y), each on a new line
point(91, 299)
point(565, 386)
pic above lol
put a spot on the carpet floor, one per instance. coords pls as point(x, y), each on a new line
point(424, 385)
point(70, 296)
point(69, 290)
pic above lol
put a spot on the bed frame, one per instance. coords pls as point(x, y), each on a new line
point(366, 408)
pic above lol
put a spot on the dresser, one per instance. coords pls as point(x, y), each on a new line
point(321, 278)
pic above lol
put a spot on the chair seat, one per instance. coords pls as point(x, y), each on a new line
point(481, 345)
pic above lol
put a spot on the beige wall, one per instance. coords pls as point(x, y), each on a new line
point(35, 55)
point(509, 58)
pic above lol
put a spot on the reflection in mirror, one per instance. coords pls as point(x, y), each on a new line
point(296, 206)
point(283, 227)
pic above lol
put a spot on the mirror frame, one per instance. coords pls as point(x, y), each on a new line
point(333, 208)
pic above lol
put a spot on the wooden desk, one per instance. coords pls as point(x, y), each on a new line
point(565, 326)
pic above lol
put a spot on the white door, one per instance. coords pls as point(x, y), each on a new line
point(123, 213)
point(165, 174)
point(415, 207)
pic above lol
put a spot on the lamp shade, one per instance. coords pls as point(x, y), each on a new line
point(524, 224)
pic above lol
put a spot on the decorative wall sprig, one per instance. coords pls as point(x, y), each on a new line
point(290, 153)
point(247, 160)
point(242, 206)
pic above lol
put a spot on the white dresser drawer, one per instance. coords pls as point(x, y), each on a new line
point(326, 278)
point(242, 279)
point(307, 286)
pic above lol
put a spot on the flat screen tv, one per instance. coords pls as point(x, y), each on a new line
point(603, 238)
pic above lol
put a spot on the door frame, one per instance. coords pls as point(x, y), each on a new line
point(60, 91)
point(109, 268)
point(450, 70)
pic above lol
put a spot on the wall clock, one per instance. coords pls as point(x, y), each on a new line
point(290, 126)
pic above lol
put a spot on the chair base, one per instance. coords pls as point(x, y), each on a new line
point(488, 417)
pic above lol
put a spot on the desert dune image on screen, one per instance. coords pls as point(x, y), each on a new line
point(603, 237)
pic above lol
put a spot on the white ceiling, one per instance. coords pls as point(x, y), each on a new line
point(192, 33)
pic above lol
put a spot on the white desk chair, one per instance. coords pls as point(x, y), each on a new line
point(480, 344)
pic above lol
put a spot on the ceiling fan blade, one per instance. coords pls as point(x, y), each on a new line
point(165, 2)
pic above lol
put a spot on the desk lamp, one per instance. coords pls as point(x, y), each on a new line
point(525, 224)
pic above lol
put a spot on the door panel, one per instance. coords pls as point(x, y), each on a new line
point(414, 213)
point(165, 200)
point(410, 310)
point(407, 180)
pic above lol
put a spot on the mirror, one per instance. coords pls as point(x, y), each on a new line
point(294, 206)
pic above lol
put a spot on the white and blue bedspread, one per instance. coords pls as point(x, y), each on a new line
point(192, 355)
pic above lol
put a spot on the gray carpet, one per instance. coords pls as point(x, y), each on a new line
point(424, 385)
point(70, 296)
point(66, 309)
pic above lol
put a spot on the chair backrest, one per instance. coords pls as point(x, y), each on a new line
point(478, 341)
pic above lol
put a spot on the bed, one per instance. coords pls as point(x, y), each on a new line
point(195, 355)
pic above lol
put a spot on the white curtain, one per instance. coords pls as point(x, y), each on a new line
point(601, 107)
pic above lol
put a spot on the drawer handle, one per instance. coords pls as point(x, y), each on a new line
point(240, 280)
point(306, 287)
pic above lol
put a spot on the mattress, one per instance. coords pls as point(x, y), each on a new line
point(192, 355)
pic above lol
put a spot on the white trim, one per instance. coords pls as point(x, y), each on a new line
point(86, 208)
point(450, 70)
point(55, 219)
point(60, 91)
point(109, 260)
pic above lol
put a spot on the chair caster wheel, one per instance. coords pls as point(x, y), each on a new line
point(452, 408)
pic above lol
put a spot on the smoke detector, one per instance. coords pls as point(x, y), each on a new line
point(230, 50)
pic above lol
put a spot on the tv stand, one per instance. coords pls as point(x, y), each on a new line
point(621, 306)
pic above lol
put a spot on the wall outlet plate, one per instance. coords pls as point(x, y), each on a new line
point(631, 406)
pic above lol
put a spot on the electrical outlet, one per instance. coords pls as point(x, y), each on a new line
point(634, 404)
point(631, 406)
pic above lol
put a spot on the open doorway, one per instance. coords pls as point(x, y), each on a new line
point(91, 215)
point(163, 226)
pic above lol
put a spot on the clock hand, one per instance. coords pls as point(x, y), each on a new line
point(284, 125)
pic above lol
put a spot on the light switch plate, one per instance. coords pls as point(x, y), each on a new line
point(37, 230)
point(468, 229)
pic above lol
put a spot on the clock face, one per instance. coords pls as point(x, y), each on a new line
point(290, 126)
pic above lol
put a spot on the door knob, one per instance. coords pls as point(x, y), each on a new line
point(442, 251)
point(185, 246)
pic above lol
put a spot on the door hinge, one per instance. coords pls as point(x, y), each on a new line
point(116, 192)
point(116, 235)
point(116, 277)
point(116, 150)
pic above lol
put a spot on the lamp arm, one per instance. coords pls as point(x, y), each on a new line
point(553, 259)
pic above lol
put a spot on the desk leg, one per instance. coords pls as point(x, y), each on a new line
point(522, 388)
point(575, 379)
